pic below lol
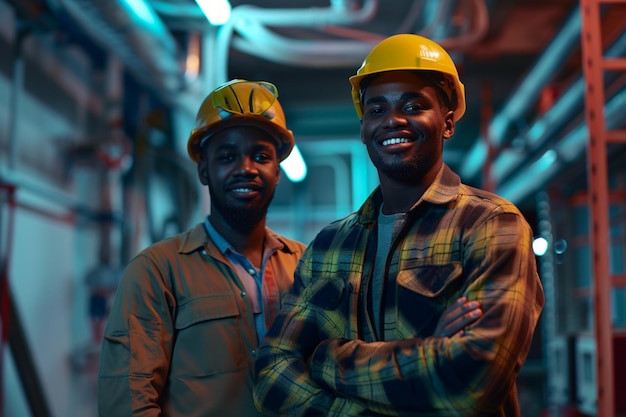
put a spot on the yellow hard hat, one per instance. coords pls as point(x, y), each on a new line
point(411, 52)
point(241, 103)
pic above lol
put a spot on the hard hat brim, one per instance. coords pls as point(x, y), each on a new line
point(356, 80)
point(284, 138)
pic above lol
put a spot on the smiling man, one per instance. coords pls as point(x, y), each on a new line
point(190, 310)
point(361, 331)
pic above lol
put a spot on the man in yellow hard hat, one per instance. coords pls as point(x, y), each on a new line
point(361, 334)
point(190, 310)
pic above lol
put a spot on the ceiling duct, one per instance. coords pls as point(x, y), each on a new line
point(558, 151)
point(253, 24)
point(526, 94)
point(136, 35)
point(141, 40)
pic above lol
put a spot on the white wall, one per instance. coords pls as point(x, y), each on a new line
point(52, 246)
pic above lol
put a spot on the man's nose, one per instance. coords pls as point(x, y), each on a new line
point(246, 166)
point(395, 118)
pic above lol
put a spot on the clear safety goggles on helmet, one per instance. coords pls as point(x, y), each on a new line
point(245, 97)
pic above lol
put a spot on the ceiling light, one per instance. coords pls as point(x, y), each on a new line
point(217, 11)
point(294, 166)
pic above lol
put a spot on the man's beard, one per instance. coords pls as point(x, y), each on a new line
point(407, 172)
point(241, 219)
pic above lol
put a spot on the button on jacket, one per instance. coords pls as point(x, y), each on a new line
point(181, 340)
point(456, 241)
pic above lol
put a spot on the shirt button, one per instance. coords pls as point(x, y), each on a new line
point(251, 271)
point(254, 353)
point(243, 293)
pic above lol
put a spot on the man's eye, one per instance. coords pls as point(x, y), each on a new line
point(374, 110)
point(412, 107)
point(226, 157)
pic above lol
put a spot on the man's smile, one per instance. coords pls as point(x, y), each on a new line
point(395, 141)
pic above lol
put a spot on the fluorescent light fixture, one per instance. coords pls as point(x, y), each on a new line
point(294, 166)
point(217, 11)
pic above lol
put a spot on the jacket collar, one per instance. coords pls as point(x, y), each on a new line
point(197, 238)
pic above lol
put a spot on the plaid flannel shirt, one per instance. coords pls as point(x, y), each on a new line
point(321, 358)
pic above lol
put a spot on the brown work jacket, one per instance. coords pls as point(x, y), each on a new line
point(181, 337)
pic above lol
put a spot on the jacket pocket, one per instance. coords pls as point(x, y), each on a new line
point(422, 296)
point(206, 308)
point(431, 280)
point(208, 337)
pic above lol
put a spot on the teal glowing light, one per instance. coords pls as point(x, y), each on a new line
point(540, 246)
point(216, 11)
point(294, 166)
point(142, 11)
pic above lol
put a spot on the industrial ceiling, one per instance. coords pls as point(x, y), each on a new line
point(519, 60)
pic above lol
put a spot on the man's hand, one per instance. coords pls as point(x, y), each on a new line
point(457, 316)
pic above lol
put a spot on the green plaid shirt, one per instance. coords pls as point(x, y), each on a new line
point(321, 357)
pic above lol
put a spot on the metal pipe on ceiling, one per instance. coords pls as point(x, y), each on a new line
point(256, 39)
point(139, 37)
point(540, 134)
point(526, 93)
point(246, 17)
point(136, 35)
point(538, 172)
point(146, 46)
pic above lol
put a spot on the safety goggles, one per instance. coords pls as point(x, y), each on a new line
point(246, 97)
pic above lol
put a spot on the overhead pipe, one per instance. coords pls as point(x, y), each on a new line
point(545, 127)
point(338, 13)
point(466, 40)
point(526, 94)
point(320, 54)
point(144, 44)
point(540, 132)
point(141, 40)
point(536, 174)
point(136, 34)
point(250, 23)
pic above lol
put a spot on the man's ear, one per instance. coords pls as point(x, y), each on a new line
point(203, 173)
point(361, 127)
point(449, 125)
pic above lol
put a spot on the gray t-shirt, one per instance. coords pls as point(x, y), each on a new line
point(388, 227)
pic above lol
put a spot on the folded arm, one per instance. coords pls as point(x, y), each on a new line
point(283, 385)
point(435, 376)
point(285, 382)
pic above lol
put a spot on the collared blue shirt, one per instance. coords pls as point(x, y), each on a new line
point(251, 277)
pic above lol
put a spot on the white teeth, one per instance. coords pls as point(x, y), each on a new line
point(394, 141)
point(242, 190)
